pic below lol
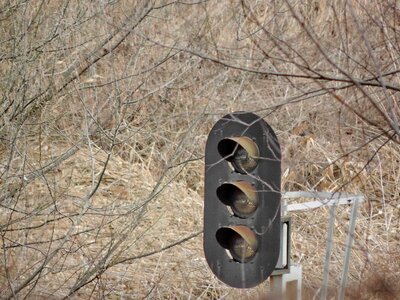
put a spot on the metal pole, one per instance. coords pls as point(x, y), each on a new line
point(276, 281)
point(328, 253)
point(293, 283)
point(349, 244)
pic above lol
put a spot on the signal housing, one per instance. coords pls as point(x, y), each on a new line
point(242, 200)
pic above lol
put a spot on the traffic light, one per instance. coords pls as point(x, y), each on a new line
point(242, 200)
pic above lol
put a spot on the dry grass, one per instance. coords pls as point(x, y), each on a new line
point(105, 110)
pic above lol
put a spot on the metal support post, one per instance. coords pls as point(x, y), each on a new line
point(286, 279)
point(328, 252)
point(292, 283)
point(349, 245)
point(288, 284)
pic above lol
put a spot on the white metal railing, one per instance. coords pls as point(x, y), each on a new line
point(331, 200)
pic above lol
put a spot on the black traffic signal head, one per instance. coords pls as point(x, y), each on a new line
point(242, 200)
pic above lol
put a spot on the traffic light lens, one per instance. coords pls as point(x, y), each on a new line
point(242, 152)
point(240, 241)
point(240, 196)
point(240, 249)
point(242, 161)
point(242, 206)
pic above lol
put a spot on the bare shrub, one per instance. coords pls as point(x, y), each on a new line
point(105, 109)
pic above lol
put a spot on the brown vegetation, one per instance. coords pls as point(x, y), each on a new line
point(105, 108)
